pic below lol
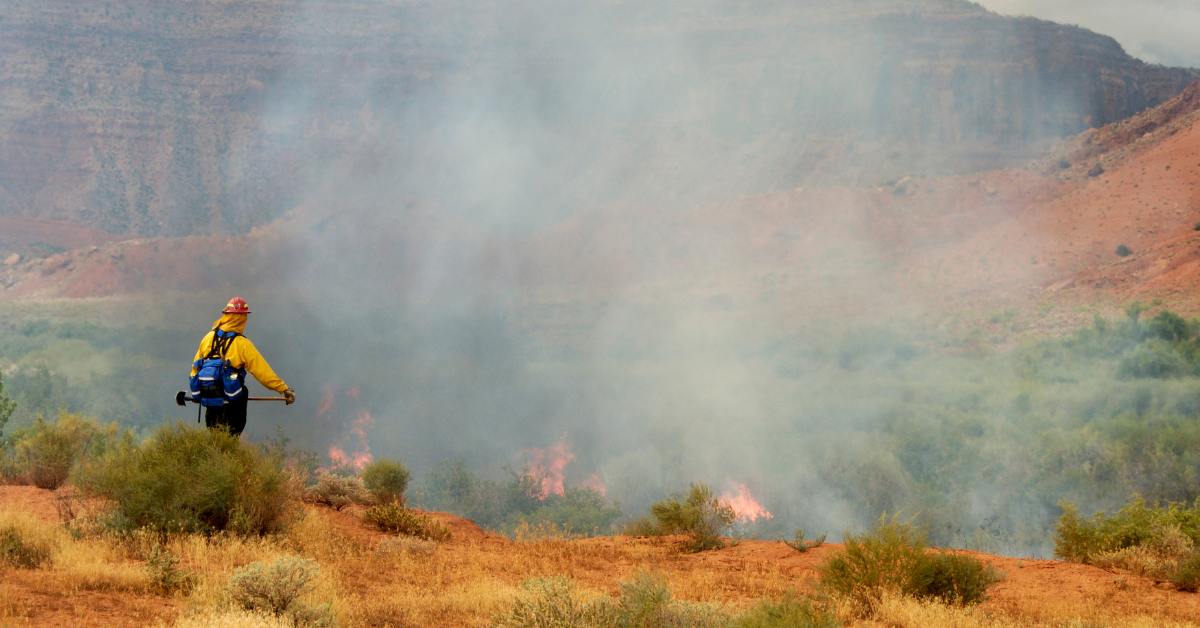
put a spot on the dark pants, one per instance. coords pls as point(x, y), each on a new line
point(232, 414)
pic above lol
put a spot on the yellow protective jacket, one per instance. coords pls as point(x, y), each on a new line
point(241, 354)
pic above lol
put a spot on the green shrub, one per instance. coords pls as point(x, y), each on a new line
point(163, 573)
point(386, 480)
point(697, 513)
point(277, 589)
point(1155, 359)
point(955, 579)
point(392, 517)
point(191, 479)
point(336, 491)
point(1187, 576)
point(885, 559)
point(789, 612)
point(18, 549)
point(1082, 540)
point(800, 544)
point(46, 452)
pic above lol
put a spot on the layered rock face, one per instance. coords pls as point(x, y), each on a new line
point(154, 117)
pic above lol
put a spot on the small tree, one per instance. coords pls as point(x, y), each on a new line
point(1134, 310)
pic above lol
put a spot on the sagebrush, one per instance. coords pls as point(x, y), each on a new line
point(337, 491)
point(277, 588)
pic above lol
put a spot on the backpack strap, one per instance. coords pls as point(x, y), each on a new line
point(220, 343)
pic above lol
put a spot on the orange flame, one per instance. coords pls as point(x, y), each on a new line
point(548, 464)
point(361, 455)
point(744, 505)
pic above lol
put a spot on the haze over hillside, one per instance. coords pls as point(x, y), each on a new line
point(196, 117)
point(760, 245)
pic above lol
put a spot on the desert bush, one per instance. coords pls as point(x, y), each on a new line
point(800, 544)
point(386, 480)
point(190, 479)
point(885, 559)
point(1186, 576)
point(1123, 251)
point(955, 579)
point(1160, 527)
point(337, 491)
point(788, 612)
point(697, 513)
point(646, 602)
point(1157, 557)
point(891, 559)
point(392, 517)
point(277, 589)
point(46, 452)
point(163, 573)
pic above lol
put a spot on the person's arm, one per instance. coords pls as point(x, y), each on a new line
point(257, 366)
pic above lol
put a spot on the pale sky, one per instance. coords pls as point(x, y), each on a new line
point(1156, 31)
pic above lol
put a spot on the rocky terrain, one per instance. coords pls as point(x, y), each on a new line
point(199, 117)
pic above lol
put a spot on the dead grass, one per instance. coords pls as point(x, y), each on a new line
point(898, 612)
point(371, 579)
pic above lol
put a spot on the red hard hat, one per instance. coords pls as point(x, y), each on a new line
point(237, 305)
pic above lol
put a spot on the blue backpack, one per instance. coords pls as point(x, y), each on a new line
point(216, 382)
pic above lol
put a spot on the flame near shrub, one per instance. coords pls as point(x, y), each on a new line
point(697, 513)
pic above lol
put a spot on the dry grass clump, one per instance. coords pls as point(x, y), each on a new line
point(414, 546)
point(24, 541)
point(233, 619)
point(906, 612)
point(646, 601)
point(337, 491)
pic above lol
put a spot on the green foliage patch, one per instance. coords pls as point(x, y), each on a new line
point(386, 480)
point(188, 479)
point(892, 558)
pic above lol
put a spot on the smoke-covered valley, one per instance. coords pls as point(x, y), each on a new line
point(779, 245)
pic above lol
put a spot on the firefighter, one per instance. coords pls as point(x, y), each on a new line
point(240, 357)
